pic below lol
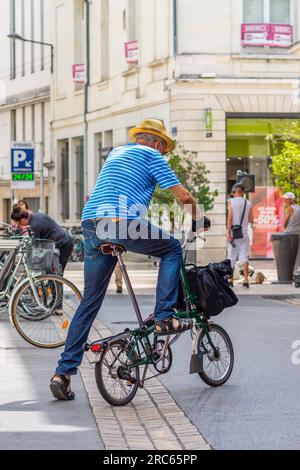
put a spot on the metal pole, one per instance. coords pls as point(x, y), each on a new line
point(175, 28)
point(11, 190)
point(129, 288)
point(86, 97)
point(42, 208)
point(52, 59)
point(12, 198)
point(33, 41)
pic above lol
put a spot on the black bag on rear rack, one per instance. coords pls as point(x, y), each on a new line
point(209, 283)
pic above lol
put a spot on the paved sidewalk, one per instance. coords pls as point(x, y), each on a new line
point(30, 418)
point(143, 277)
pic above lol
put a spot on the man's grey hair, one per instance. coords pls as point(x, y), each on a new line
point(150, 138)
point(238, 187)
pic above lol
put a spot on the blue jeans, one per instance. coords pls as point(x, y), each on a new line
point(98, 269)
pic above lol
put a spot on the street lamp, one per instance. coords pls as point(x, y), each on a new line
point(18, 37)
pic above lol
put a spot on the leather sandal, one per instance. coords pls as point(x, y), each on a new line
point(167, 327)
point(60, 389)
point(149, 321)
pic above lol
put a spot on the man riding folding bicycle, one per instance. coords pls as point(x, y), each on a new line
point(114, 213)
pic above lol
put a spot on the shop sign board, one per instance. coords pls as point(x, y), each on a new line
point(132, 52)
point(78, 73)
point(266, 34)
point(208, 123)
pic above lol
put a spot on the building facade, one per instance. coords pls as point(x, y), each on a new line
point(25, 81)
point(221, 74)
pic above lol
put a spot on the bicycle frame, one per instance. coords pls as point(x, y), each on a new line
point(6, 275)
point(16, 253)
point(139, 341)
point(28, 276)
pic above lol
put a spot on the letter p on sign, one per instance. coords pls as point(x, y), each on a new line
point(19, 157)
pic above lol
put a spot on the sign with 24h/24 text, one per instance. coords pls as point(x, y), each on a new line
point(22, 165)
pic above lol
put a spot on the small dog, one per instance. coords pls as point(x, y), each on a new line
point(259, 278)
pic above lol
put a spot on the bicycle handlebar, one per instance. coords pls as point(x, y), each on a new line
point(204, 223)
point(5, 224)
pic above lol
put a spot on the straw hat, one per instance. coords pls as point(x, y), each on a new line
point(155, 127)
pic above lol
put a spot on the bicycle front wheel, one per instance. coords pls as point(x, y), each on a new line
point(42, 310)
point(217, 361)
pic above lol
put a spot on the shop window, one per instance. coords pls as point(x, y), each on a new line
point(130, 22)
point(266, 11)
point(105, 15)
point(33, 203)
point(280, 11)
point(79, 35)
point(7, 210)
point(253, 11)
point(249, 150)
point(104, 145)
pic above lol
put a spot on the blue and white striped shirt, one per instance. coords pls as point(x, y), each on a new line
point(127, 182)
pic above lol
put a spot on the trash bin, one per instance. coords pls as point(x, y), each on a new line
point(285, 248)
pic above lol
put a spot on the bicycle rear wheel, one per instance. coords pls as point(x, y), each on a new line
point(116, 383)
point(217, 366)
point(42, 310)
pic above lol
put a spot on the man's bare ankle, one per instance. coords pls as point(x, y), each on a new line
point(59, 376)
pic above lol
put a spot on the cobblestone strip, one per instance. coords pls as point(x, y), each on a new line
point(152, 421)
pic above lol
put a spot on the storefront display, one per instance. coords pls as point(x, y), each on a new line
point(268, 211)
point(249, 150)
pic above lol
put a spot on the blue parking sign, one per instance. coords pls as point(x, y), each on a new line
point(22, 157)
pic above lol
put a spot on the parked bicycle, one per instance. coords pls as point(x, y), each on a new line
point(78, 247)
point(118, 358)
point(40, 305)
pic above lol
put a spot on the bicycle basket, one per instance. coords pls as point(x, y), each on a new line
point(40, 254)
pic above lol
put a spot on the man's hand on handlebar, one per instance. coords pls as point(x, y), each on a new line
point(201, 225)
point(198, 226)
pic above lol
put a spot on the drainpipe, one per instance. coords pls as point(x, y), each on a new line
point(86, 97)
point(175, 28)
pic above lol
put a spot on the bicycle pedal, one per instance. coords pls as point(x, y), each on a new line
point(131, 380)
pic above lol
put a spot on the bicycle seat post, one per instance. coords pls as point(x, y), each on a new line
point(131, 293)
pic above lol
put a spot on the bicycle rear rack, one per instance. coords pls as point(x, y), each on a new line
point(104, 343)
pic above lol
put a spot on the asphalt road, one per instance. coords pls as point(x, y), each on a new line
point(259, 407)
